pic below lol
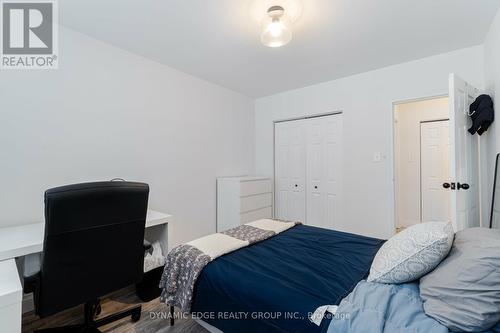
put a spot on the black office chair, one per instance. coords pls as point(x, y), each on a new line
point(93, 245)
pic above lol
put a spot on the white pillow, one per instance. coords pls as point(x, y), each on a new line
point(412, 253)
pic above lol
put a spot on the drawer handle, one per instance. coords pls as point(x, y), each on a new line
point(316, 187)
point(296, 185)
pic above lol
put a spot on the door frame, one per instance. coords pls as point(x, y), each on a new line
point(420, 151)
point(316, 115)
point(393, 201)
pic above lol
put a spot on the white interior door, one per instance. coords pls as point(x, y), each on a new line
point(435, 171)
point(323, 171)
point(465, 200)
point(290, 170)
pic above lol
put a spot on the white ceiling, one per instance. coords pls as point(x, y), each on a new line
point(217, 40)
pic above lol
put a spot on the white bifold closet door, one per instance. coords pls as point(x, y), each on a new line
point(290, 170)
point(323, 165)
point(308, 170)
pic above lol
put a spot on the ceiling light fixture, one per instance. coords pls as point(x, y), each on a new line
point(276, 28)
point(275, 18)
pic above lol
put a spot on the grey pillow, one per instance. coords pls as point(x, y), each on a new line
point(463, 292)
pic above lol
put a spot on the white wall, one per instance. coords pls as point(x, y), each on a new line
point(408, 117)
point(492, 68)
point(491, 139)
point(366, 100)
point(108, 113)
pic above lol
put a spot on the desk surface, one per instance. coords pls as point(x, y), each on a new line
point(25, 239)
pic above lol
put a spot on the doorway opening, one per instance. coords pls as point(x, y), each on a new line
point(422, 161)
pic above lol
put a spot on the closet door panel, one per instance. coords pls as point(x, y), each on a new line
point(333, 168)
point(296, 161)
point(314, 170)
point(324, 153)
point(290, 171)
point(282, 182)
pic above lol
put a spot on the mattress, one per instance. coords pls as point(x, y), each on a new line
point(274, 285)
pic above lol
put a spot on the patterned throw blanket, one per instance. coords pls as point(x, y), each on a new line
point(185, 262)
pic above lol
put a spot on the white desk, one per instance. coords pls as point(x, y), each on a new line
point(11, 294)
point(25, 239)
point(154, 218)
point(21, 240)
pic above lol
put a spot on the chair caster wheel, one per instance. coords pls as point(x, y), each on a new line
point(98, 310)
point(136, 316)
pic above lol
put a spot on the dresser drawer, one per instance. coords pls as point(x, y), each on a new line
point(263, 213)
point(254, 202)
point(255, 187)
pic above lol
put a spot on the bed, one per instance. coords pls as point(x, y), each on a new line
point(274, 285)
point(280, 281)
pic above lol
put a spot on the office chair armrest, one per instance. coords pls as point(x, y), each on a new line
point(31, 283)
point(148, 247)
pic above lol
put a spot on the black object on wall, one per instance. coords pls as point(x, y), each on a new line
point(482, 114)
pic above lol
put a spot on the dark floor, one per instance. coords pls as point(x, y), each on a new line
point(115, 302)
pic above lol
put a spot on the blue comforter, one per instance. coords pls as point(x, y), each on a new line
point(375, 307)
point(274, 285)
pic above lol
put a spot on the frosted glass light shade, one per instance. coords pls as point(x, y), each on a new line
point(276, 31)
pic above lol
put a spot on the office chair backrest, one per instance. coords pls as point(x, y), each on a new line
point(93, 243)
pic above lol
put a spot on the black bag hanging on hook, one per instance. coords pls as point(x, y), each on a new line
point(482, 114)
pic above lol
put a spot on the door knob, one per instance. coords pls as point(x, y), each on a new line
point(457, 186)
point(463, 186)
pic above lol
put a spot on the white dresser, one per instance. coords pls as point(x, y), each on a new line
point(243, 199)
